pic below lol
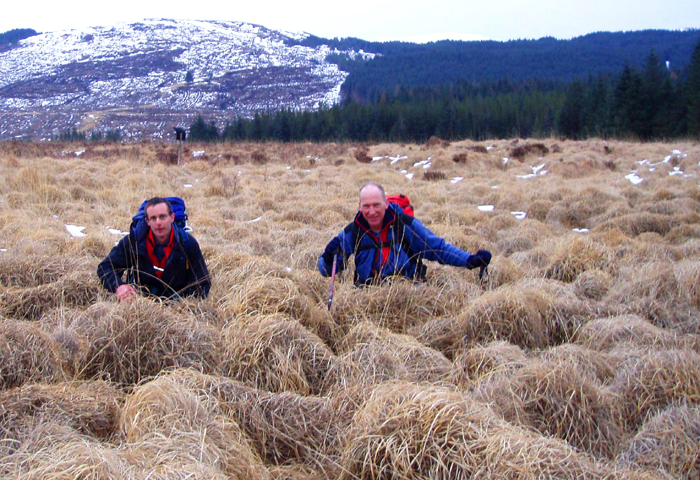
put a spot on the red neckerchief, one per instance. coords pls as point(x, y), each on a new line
point(159, 265)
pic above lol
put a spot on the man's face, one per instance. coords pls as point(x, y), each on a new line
point(373, 206)
point(160, 221)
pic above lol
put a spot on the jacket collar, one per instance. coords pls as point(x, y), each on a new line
point(389, 218)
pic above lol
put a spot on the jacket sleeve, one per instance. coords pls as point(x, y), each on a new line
point(435, 248)
point(199, 281)
point(347, 248)
point(112, 268)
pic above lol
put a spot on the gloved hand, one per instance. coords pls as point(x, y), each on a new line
point(331, 249)
point(482, 258)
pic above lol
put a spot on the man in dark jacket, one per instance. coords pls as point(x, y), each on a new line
point(388, 242)
point(160, 259)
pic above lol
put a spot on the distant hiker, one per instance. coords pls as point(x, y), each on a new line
point(386, 241)
point(159, 258)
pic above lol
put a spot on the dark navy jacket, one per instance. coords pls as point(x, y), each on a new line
point(367, 248)
point(185, 272)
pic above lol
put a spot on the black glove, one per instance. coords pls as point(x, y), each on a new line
point(332, 248)
point(482, 258)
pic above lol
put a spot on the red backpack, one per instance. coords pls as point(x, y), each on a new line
point(402, 201)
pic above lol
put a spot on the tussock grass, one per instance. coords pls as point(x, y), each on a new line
point(276, 354)
point(163, 414)
point(659, 379)
point(91, 408)
point(373, 355)
point(581, 341)
point(556, 400)
point(28, 355)
point(130, 342)
point(668, 442)
point(482, 362)
point(411, 431)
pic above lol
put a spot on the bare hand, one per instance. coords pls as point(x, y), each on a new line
point(125, 293)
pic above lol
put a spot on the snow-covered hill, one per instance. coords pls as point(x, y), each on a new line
point(133, 77)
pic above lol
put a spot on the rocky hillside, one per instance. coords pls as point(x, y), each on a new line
point(148, 77)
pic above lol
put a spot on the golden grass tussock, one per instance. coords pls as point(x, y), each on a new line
point(28, 355)
point(409, 431)
point(592, 284)
point(635, 224)
point(126, 343)
point(481, 362)
point(556, 400)
point(574, 255)
point(277, 354)
point(658, 379)
point(593, 365)
point(164, 414)
point(398, 305)
point(283, 427)
point(78, 288)
point(608, 333)
point(373, 355)
point(91, 408)
point(669, 442)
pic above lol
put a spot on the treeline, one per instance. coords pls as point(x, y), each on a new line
point(547, 59)
point(648, 103)
point(74, 135)
point(15, 35)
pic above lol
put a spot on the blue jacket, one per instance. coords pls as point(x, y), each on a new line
point(185, 272)
point(404, 251)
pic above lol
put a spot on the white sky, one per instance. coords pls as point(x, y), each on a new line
point(374, 19)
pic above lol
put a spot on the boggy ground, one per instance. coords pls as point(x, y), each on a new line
point(579, 359)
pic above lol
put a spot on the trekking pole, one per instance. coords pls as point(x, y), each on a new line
point(330, 295)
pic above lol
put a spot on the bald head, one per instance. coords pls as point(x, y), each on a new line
point(373, 204)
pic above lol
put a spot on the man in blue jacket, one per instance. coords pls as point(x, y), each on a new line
point(160, 259)
point(386, 242)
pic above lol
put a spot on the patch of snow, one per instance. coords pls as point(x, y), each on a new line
point(198, 153)
point(254, 220)
point(397, 158)
point(580, 230)
point(519, 215)
point(485, 208)
point(632, 177)
point(79, 153)
point(76, 231)
point(457, 179)
point(116, 231)
point(188, 185)
point(505, 160)
point(376, 159)
point(409, 176)
point(676, 171)
point(3, 249)
point(494, 187)
point(538, 168)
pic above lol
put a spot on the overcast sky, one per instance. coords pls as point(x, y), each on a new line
point(375, 19)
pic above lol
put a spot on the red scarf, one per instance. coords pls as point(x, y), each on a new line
point(159, 265)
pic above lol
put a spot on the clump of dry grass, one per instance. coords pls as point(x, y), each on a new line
point(412, 431)
point(164, 414)
point(28, 354)
point(126, 343)
point(78, 288)
point(557, 401)
point(482, 362)
point(592, 284)
point(657, 380)
point(593, 365)
point(574, 255)
point(276, 354)
point(90, 408)
point(670, 442)
point(519, 152)
point(606, 334)
point(284, 427)
point(635, 224)
point(374, 354)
